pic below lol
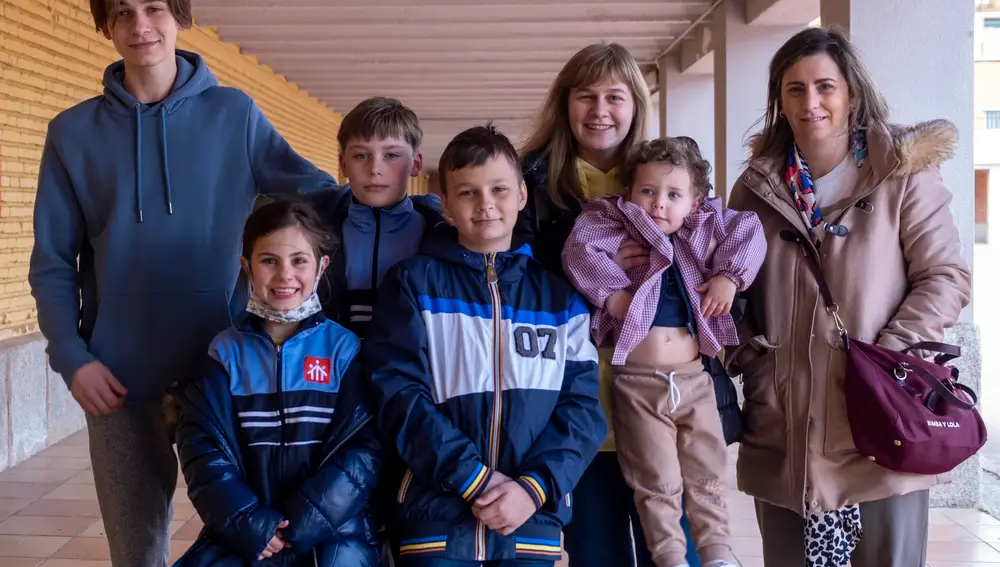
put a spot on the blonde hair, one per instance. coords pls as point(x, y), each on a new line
point(593, 64)
point(378, 118)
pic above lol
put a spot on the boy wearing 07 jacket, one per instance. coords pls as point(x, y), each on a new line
point(485, 377)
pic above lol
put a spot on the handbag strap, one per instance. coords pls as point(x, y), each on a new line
point(946, 352)
point(944, 391)
point(789, 235)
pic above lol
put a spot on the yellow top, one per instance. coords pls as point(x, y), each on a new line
point(596, 183)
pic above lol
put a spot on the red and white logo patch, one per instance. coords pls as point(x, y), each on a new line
point(317, 370)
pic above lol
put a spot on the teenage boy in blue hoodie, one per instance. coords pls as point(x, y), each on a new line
point(377, 222)
point(146, 186)
point(485, 377)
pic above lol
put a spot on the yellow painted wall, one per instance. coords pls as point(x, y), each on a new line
point(419, 185)
point(50, 59)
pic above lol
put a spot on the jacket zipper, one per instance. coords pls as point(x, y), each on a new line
point(378, 233)
point(494, 449)
point(281, 415)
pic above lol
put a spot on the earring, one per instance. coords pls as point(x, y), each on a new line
point(781, 113)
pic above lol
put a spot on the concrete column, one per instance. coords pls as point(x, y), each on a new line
point(920, 53)
point(690, 109)
point(661, 93)
point(653, 129)
point(742, 55)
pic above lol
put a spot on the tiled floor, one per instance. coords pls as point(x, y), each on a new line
point(49, 518)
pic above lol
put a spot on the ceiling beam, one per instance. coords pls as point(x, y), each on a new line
point(306, 48)
point(693, 50)
point(418, 15)
point(695, 5)
point(241, 33)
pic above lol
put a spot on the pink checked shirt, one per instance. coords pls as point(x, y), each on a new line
point(711, 241)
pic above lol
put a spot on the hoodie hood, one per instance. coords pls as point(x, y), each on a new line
point(193, 78)
point(441, 242)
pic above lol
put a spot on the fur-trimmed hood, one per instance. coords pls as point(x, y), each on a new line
point(897, 150)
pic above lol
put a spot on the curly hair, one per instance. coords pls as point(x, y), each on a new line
point(680, 151)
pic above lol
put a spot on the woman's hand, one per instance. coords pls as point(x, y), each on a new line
point(631, 254)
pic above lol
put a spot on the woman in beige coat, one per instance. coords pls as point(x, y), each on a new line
point(869, 196)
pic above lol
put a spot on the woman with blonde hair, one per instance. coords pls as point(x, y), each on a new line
point(594, 115)
point(865, 199)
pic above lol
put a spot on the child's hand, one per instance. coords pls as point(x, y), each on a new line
point(718, 295)
point(505, 508)
point(617, 304)
point(496, 480)
point(277, 542)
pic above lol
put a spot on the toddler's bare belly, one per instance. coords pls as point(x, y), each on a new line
point(665, 346)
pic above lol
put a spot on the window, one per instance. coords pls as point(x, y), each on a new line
point(992, 119)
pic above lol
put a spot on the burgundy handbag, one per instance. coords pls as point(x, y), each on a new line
point(906, 414)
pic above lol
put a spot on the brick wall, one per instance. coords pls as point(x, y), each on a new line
point(50, 59)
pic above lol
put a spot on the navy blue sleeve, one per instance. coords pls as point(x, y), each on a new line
point(211, 466)
point(276, 167)
point(577, 427)
point(342, 485)
point(396, 360)
point(59, 231)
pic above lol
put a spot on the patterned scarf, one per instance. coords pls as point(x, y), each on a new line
point(799, 178)
point(830, 535)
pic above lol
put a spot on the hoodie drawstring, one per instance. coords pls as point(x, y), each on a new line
point(163, 158)
point(675, 392)
point(166, 164)
point(138, 160)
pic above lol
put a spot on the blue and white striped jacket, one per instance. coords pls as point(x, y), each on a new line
point(482, 363)
point(270, 433)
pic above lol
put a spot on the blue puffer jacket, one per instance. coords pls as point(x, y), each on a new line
point(483, 363)
point(271, 433)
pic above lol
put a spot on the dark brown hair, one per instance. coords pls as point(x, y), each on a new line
point(104, 12)
point(869, 108)
point(473, 148)
point(552, 133)
point(377, 118)
point(287, 212)
point(681, 151)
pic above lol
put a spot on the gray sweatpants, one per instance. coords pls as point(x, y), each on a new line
point(135, 474)
point(894, 533)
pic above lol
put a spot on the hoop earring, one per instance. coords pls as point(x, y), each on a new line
point(781, 113)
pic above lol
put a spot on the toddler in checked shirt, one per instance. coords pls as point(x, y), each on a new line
point(661, 318)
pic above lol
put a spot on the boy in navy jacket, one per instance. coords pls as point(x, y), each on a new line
point(378, 223)
point(484, 376)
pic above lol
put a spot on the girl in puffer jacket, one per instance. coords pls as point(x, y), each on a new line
point(276, 435)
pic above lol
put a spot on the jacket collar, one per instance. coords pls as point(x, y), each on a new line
point(442, 243)
point(254, 325)
point(894, 151)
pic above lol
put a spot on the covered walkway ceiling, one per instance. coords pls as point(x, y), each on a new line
point(455, 62)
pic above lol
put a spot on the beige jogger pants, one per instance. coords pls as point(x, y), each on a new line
point(670, 443)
